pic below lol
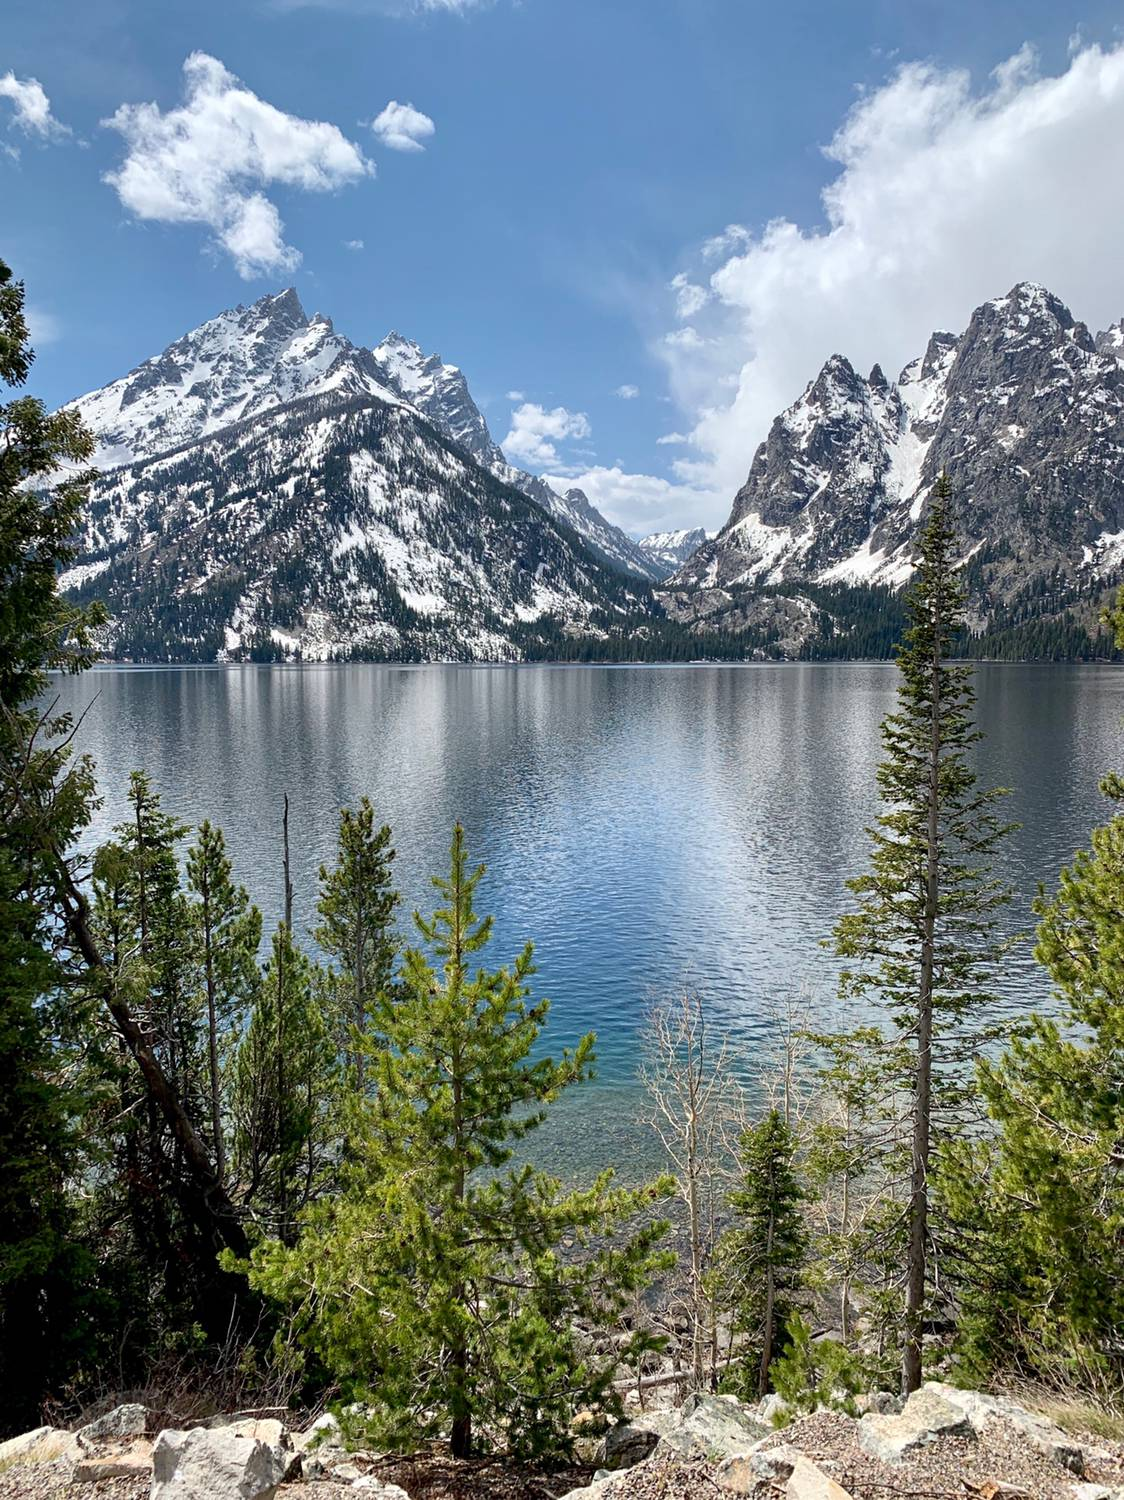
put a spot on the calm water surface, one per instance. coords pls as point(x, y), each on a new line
point(645, 826)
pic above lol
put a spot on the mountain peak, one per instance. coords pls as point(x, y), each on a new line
point(284, 305)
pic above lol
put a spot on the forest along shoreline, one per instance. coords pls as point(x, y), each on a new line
point(234, 1188)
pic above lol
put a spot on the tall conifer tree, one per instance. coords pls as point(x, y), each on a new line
point(227, 932)
point(922, 943)
point(357, 905)
point(762, 1256)
point(45, 800)
point(436, 1288)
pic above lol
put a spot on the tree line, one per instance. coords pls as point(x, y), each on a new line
point(314, 1169)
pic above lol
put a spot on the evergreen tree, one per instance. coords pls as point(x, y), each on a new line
point(227, 932)
point(1041, 1206)
point(45, 800)
point(357, 905)
point(922, 942)
point(285, 1095)
point(762, 1256)
point(437, 1289)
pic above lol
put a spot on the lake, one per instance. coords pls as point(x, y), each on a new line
point(646, 826)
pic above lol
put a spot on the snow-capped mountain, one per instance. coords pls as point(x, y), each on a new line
point(673, 548)
point(246, 361)
point(441, 392)
point(268, 487)
point(1024, 409)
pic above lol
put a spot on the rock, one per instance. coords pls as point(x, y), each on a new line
point(122, 1422)
point(27, 1443)
point(809, 1482)
point(741, 1473)
point(714, 1428)
point(134, 1462)
point(349, 1473)
point(925, 1417)
point(773, 1409)
point(627, 1444)
point(265, 1429)
point(600, 1489)
point(379, 1489)
point(324, 1432)
point(209, 1463)
point(884, 1403)
point(1042, 1434)
point(1096, 1492)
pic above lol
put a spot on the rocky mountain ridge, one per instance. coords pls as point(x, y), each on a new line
point(673, 548)
point(269, 488)
point(441, 392)
point(1024, 409)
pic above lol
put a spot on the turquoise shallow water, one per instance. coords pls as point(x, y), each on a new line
point(646, 826)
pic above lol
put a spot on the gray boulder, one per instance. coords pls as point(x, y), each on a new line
point(27, 1443)
point(809, 1482)
point(884, 1403)
point(219, 1463)
point(1042, 1434)
point(772, 1409)
point(118, 1425)
point(629, 1443)
point(742, 1473)
point(714, 1428)
point(926, 1416)
point(133, 1462)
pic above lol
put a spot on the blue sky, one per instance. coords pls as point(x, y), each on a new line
point(582, 157)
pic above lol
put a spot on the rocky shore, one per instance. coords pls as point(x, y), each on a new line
point(943, 1443)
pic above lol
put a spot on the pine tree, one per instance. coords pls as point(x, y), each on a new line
point(922, 942)
point(1041, 1206)
point(227, 932)
point(762, 1256)
point(285, 1092)
point(45, 800)
point(357, 905)
point(437, 1289)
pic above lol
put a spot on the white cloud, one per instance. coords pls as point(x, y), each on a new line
point(733, 237)
point(627, 392)
point(206, 161)
point(535, 431)
point(690, 298)
point(637, 502)
point(353, 244)
point(42, 325)
point(32, 107)
point(516, 396)
point(944, 195)
point(672, 437)
point(402, 127)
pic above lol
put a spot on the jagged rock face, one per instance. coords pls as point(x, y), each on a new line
point(330, 526)
point(441, 392)
point(672, 548)
point(268, 486)
point(245, 361)
point(1024, 410)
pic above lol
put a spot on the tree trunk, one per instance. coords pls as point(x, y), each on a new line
point(770, 1315)
point(212, 1027)
point(919, 1172)
point(208, 1202)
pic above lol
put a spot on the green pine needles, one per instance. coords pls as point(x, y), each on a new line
point(446, 1287)
point(922, 944)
